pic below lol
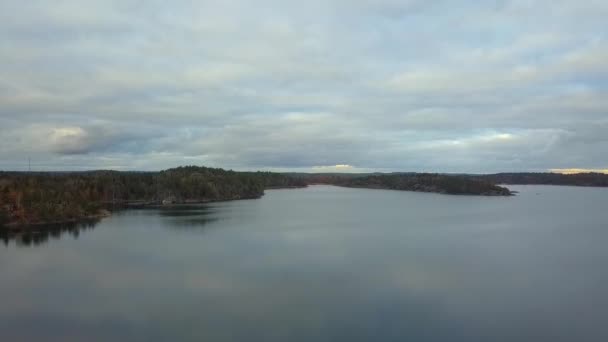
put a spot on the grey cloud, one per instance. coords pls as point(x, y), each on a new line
point(379, 85)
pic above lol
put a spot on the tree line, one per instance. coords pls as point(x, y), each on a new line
point(43, 197)
point(544, 178)
point(427, 182)
point(29, 198)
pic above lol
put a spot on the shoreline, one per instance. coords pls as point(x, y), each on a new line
point(485, 194)
point(21, 226)
point(138, 204)
point(145, 204)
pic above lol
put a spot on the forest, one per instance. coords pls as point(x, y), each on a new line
point(456, 181)
point(41, 198)
point(32, 198)
point(427, 182)
point(577, 179)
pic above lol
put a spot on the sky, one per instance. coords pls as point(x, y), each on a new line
point(313, 86)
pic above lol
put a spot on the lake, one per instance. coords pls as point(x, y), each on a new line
point(320, 264)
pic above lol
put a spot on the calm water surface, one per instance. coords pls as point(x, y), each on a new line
point(321, 264)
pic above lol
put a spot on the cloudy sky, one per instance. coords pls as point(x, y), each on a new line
point(316, 85)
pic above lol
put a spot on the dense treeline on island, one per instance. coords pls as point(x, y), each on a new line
point(42, 198)
point(519, 178)
point(577, 179)
point(427, 182)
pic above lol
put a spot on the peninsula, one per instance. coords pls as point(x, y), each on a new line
point(427, 182)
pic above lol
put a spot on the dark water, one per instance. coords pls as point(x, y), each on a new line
point(321, 264)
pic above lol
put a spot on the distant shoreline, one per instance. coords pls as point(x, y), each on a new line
point(30, 199)
point(511, 193)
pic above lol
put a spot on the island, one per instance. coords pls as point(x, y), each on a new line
point(427, 182)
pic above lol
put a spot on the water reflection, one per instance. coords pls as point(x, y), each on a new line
point(175, 217)
point(323, 264)
point(42, 234)
point(186, 211)
point(188, 216)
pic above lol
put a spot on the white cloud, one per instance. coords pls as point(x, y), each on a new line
point(335, 168)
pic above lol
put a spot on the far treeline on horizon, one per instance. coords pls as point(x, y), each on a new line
point(36, 198)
